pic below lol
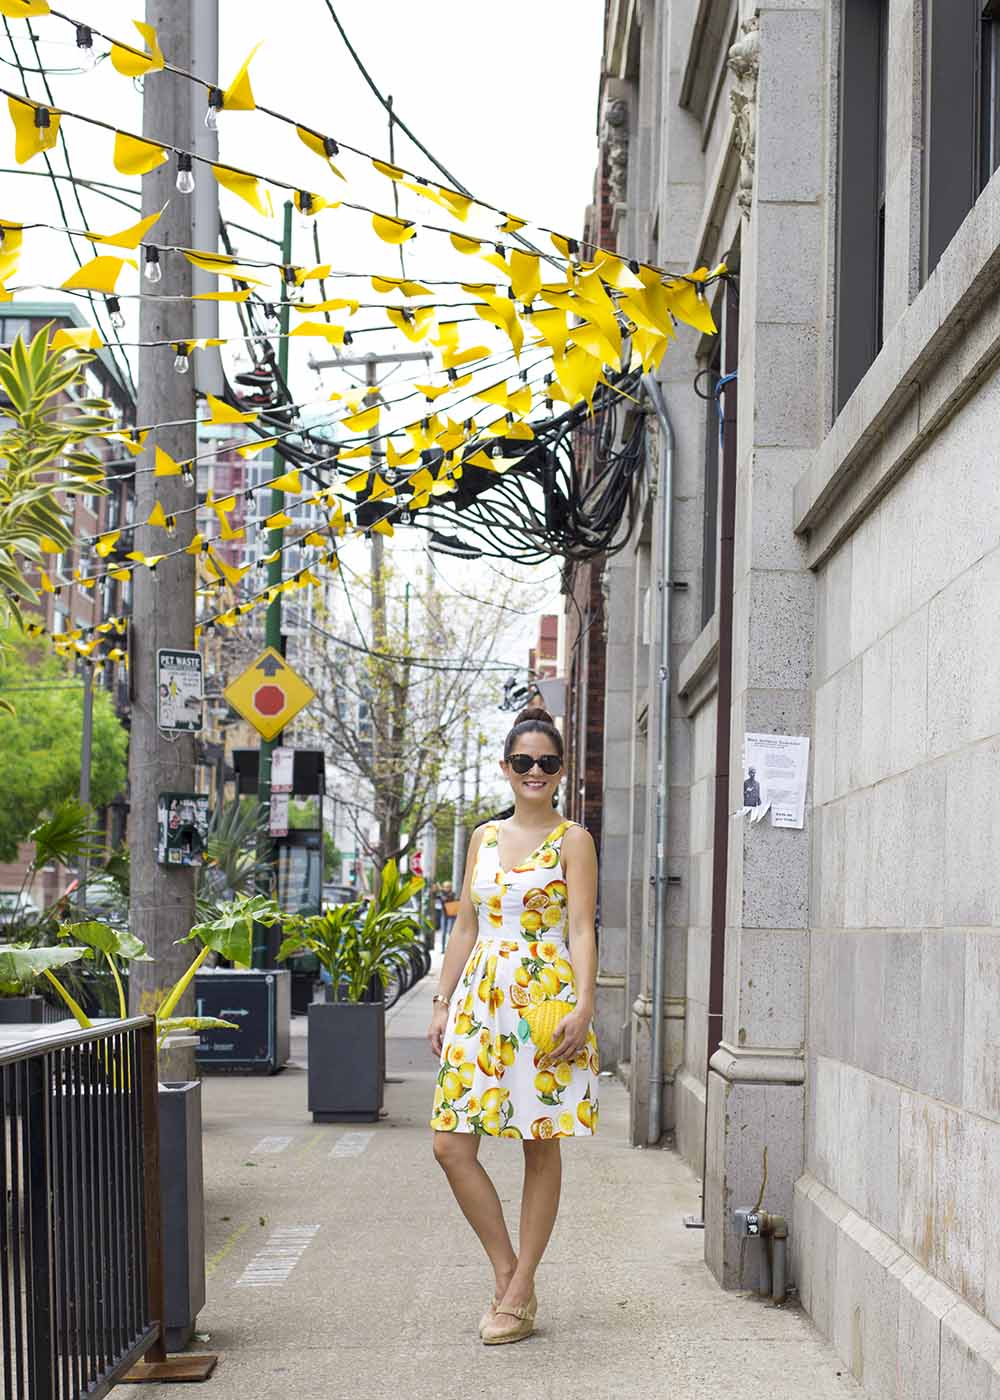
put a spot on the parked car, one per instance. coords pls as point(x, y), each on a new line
point(334, 895)
point(17, 908)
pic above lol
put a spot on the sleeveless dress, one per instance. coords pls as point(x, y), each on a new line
point(515, 989)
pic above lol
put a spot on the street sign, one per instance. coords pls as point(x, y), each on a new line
point(178, 690)
point(416, 862)
point(279, 814)
point(269, 694)
point(282, 770)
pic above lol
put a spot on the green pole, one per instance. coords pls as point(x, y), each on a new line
point(272, 632)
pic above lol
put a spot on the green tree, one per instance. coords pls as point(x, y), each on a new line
point(40, 744)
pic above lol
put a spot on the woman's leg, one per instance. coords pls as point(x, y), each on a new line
point(539, 1208)
point(458, 1154)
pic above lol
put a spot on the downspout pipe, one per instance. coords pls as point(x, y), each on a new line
point(654, 1130)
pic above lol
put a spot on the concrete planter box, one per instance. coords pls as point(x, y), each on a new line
point(26, 1011)
point(346, 1061)
point(182, 1202)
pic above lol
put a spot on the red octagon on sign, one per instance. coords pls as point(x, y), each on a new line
point(269, 700)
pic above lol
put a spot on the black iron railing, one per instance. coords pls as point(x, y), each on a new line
point(79, 1216)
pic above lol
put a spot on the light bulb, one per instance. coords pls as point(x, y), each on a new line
point(211, 119)
point(214, 108)
point(405, 517)
point(181, 363)
point(389, 475)
point(185, 175)
point(188, 474)
point(153, 272)
point(114, 307)
point(86, 56)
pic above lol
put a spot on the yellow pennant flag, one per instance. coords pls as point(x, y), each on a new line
point(157, 516)
point(76, 338)
point(164, 464)
point(462, 244)
point(129, 237)
point(243, 295)
point(323, 146)
point(30, 138)
point(246, 186)
point(403, 285)
point(333, 334)
point(361, 422)
point(224, 413)
point(392, 230)
point(691, 307)
point(133, 156)
point(98, 275)
point(512, 224)
point(525, 276)
point(305, 308)
point(131, 62)
point(453, 359)
point(278, 520)
point(414, 324)
point(392, 172)
point(357, 483)
point(382, 527)
point(238, 96)
point(434, 391)
point(133, 440)
point(196, 543)
point(24, 9)
point(106, 543)
point(250, 449)
point(291, 481)
point(396, 459)
point(459, 204)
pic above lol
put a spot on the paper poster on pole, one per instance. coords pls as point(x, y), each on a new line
point(282, 769)
point(178, 690)
point(279, 814)
point(775, 774)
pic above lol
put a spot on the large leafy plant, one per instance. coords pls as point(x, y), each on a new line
point(41, 459)
point(357, 945)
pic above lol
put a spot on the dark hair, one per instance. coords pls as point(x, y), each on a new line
point(533, 720)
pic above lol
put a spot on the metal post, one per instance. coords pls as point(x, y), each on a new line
point(86, 744)
point(205, 200)
point(272, 637)
point(162, 896)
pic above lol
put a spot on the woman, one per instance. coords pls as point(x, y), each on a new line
point(512, 1016)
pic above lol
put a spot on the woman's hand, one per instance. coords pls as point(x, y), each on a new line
point(435, 1032)
point(569, 1038)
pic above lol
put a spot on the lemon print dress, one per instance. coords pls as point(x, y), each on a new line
point(515, 989)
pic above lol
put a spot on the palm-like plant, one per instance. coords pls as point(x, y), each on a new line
point(41, 459)
point(231, 863)
point(357, 947)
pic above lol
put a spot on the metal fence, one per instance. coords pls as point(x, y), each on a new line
point(79, 1218)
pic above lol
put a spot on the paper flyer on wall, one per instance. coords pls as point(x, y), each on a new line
point(775, 774)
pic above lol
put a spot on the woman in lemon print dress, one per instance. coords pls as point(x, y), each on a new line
point(512, 1016)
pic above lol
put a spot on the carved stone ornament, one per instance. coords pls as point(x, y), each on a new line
point(744, 62)
point(616, 148)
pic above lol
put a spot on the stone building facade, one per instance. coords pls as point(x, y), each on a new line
point(831, 995)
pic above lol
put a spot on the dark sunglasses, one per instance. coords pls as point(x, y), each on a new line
point(522, 763)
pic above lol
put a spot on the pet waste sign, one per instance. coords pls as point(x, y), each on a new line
point(269, 694)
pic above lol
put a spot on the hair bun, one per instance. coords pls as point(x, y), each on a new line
point(533, 712)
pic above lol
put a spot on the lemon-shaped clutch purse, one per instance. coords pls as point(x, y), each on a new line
point(540, 1022)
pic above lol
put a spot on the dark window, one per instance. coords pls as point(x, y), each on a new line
point(953, 32)
point(861, 192)
point(989, 92)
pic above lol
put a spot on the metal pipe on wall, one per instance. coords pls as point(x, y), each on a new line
point(654, 1129)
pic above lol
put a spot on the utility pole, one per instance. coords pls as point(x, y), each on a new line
point(381, 741)
point(163, 615)
point(86, 745)
point(272, 637)
point(205, 199)
point(458, 849)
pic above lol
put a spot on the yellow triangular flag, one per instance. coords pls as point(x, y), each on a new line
point(392, 230)
point(106, 543)
point(246, 186)
point(157, 516)
point(164, 464)
point(133, 156)
point(131, 62)
point(30, 139)
point(129, 237)
point(291, 481)
point(250, 449)
point(363, 421)
point(224, 413)
point(24, 9)
point(278, 520)
point(98, 275)
point(238, 96)
point(76, 338)
point(317, 144)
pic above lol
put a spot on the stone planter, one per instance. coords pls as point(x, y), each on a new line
point(182, 1202)
point(25, 1011)
point(346, 1061)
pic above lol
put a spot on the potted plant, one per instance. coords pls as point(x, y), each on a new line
point(21, 965)
point(228, 931)
point(356, 947)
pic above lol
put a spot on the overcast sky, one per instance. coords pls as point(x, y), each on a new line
point(505, 96)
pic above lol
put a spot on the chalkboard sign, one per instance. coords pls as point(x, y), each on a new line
point(260, 1005)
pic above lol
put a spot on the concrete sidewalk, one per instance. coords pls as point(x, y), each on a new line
point(339, 1265)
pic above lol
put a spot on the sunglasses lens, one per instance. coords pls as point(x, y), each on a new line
point(520, 762)
point(550, 763)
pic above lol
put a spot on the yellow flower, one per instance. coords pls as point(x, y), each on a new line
point(548, 952)
point(473, 1106)
point(446, 1121)
point(455, 1055)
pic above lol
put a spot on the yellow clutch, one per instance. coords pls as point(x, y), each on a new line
point(542, 1022)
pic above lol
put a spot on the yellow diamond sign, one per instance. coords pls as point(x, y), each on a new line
point(269, 693)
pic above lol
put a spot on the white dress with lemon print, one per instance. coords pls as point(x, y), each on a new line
point(515, 989)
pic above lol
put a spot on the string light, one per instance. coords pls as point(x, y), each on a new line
point(85, 52)
point(115, 312)
point(153, 272)
point(182, 360)
point(185, 175)
point(214, 108)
